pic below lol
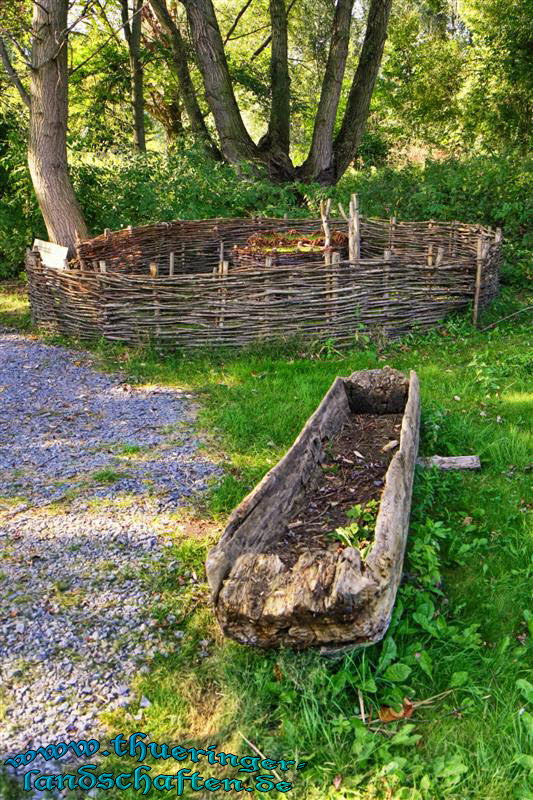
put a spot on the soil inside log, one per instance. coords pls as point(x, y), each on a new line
point(352, 473)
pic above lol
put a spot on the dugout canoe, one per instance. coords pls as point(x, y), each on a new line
point(332, 598)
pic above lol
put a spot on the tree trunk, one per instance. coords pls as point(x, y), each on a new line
point(132, 33)
point(319, 163)
point(277, 140)
point(187, 90)
point(47, 150)
point(169, 114)
point(355, 117)
point(235, 141)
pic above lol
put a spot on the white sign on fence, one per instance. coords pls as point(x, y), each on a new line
point(52, 255)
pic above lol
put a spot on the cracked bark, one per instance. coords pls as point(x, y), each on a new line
point(47, 149)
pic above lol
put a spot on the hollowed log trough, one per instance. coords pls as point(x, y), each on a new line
point(329, 598)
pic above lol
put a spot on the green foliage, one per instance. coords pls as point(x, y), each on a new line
point(497, 93)
point(361, 531)
point(490, 190)
point(417, 96)
point(116, 192)
point(20, 219)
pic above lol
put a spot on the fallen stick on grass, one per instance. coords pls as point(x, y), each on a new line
point(451, 462)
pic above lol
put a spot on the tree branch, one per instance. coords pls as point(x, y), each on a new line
point(187, 89)
point(236, 143)
point(237, 19)
point(113, 35)
point(13, 75)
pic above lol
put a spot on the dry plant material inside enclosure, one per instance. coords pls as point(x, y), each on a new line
point(292, 241)
point(340, 509)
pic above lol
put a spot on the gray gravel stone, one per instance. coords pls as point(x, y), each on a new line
point(75, 625)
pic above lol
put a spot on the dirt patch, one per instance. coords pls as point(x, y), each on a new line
point(352, 473)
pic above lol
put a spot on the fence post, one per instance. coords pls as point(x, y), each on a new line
point(392, 230)
point(387, 255)
point(269, 262)
point(479, 272)
point(223, 292)
point(154, 272)
point(334, 284)
point(325, 209)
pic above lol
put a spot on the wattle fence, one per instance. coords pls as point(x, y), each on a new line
point(228, 282)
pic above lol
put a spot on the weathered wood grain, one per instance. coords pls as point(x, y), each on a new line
point(451, 462)
point(156, 283)
point(332, 598)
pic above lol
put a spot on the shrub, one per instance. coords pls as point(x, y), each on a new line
point(117, 191)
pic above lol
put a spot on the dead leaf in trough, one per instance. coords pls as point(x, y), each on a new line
point(387, 714)
point(359, 455)
point(390, 446)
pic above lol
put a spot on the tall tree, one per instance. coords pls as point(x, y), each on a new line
point(183, 75)
point(353, 124)
point(131, 24)
point(277, 140)
point(320, 159)
point(329, 156)
point(47, 100)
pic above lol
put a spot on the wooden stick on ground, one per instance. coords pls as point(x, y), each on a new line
point(259, 753)
point(451, 462)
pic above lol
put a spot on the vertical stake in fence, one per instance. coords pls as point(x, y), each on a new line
point(325, 209)
point(154, 272)
point(493, 265)
point(438, 261)
point(224, 269)
point(171, 261)
point(334, 285)
point(355, 229)
point(479, 271)
point(392, 230)
point(269, 263)
point(102, 265)
point(453, 239)
point(217, 275)
point(387, 257)
point(324, 213)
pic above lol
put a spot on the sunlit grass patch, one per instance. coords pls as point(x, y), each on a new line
point(108, 476)
point(14, 305)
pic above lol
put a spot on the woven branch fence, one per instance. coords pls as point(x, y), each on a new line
point(233, 281)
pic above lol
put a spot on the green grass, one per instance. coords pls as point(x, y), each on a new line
point(460, 628)
point(107, 475)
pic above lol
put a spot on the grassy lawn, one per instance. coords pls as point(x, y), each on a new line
point(459, 645)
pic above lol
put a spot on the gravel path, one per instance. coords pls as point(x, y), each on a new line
point(90, 471)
